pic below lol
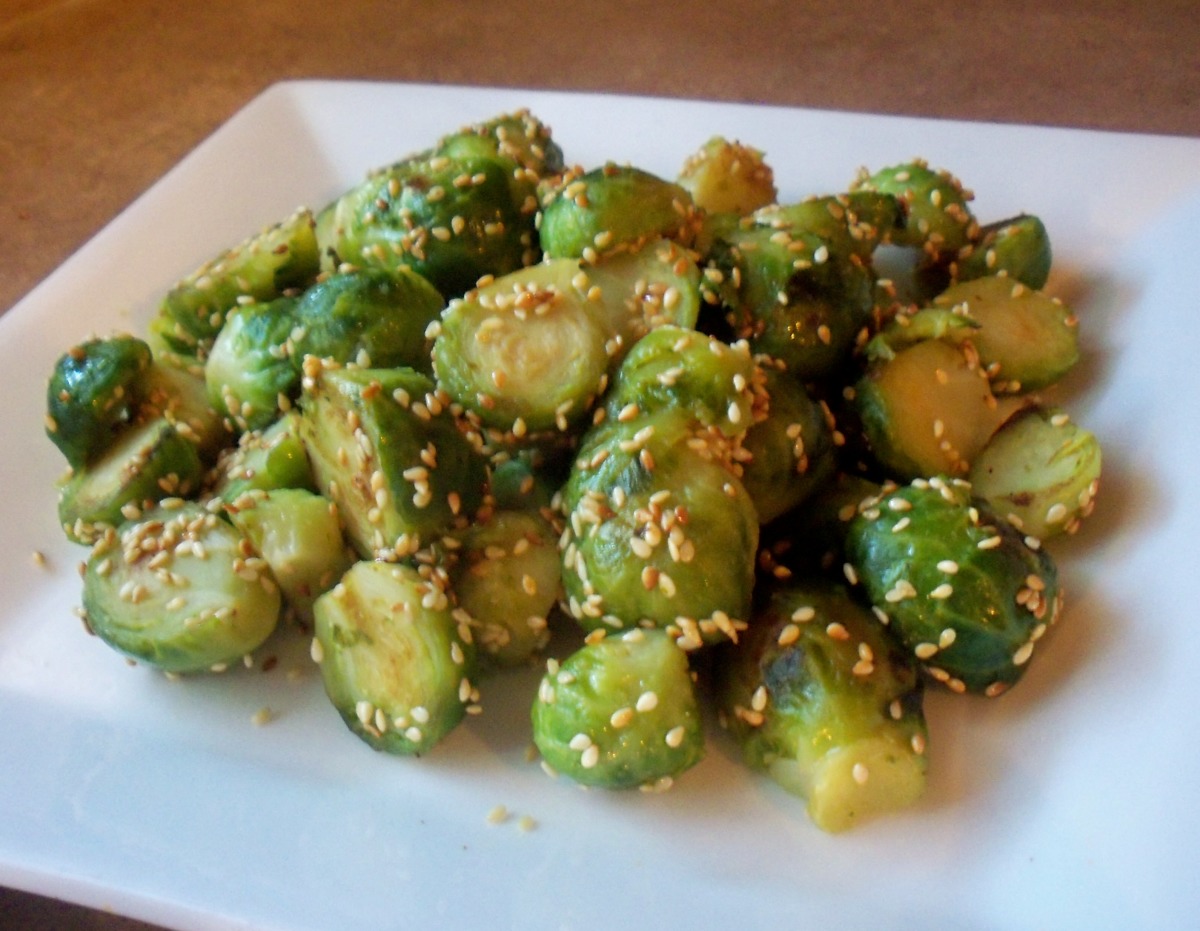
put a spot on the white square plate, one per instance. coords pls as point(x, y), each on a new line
point(1071, 802)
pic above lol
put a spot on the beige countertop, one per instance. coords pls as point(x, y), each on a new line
point(99, 98)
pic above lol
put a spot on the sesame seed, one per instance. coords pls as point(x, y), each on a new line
point(860, 773)
point(675, 737)
point(497, 815)
point(647, 701)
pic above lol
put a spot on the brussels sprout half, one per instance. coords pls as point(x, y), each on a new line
point(148, 463)
point(281, 258)
point(451, 220)
point(660, 531)
point(819, 697)
point(1041, 471)
point(298, 535)
point(962, 589)
point(385, 448)
point(92, 397)
point(615, 207)
point(395, 661)
point(181, 590)
point(249, 374)
point(728, 177)
point(370, 318)
point(620, 712)
point(526, 352)
point(506, 577)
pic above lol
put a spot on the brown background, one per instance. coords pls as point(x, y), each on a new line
point(98, 98)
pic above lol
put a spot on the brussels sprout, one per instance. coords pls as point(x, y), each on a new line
point(660, 531)
point(264, 460)
point(385, 448)
point(507, 578)
point(614, 207)
point(929, 409)
point(644, 288)
point(728, 177)
point(1041, 471)
point(1018, 247)
point(962, 589)
point(790, 452)
point(1025, 340)
point(525, 352)
point(620, 712)
point(176, 391)
point(92, 395)
point(281, 258)
point(938, 218)
point(451, 220)
point(850, 224)
point(395, 662)
point(951, 324)
point(820, 698)
point(147, 463)
point(371, 318)
point(797, 300)
point(297, 534)
point(180, 589)
point(249, 374)
point(519, 136)
point(680, 369)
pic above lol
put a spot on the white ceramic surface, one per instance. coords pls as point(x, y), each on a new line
point(1071, 802)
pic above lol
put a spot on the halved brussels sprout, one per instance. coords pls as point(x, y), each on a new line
point(526, 352)
point(93, 395)
point(264, 460)
point(620, 712)
point(298, 535)
point(519, 136)
point(820, 698)
point(384, 446)
point(660, 531)
point(854, 223)
point(1026, 340)
point(797, 300)
point(370, 318)
point(149, 462)
point(938, 218)
point(175, 390)
point(614, 207)
point(648, 287)
point(961, 588)
point(395, 662)
point(506, 577)
point(1041, 471)
point(1018, 247)
point(179, 589)
point(451, 220)
point(672, 368)
point(929, 410)
point(281, 258)
point(249, 374)
point(728, 177)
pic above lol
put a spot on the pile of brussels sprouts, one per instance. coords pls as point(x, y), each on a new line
point(484, 396)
